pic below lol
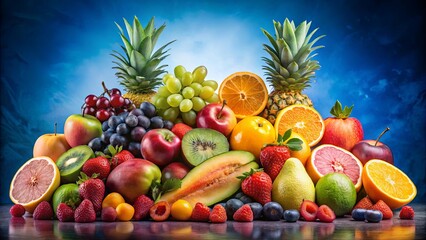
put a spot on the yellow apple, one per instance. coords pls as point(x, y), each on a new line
point(52, 145)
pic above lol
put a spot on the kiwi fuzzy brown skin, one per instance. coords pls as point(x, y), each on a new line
point(71, 162)
point(200, 144)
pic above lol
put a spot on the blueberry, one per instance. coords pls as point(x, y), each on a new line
point(135, 148)
point(107, 135)
point(105, 126)
point(246, 199)
point(373, 216)
point(239, 195)
point(358, 214)
point(117, 140)
point(96, 144)
point(144, 122)
point(136, 112)
point(272, 211)
point(256, 208)
point(114, 121)
point(168, 124)
point(156, 122)
point(131, 121)
point(231, 206)
point(148, 109)
point(122, 116)
point(122, 129)
point(137, 134)
point(291, 215)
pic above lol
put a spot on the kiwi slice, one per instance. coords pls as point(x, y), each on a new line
point(200, 144)
point(66, 193)
point(71, 162)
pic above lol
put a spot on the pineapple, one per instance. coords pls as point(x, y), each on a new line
point(139, 69)
point(290, 66)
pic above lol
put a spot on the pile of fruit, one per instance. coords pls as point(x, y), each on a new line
point(197, 151)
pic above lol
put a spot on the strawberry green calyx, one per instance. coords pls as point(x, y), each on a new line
point(294, 144)
point(83, 177)
point(340, 113)
point(251, 172)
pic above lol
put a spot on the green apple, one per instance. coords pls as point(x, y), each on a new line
point(80, 129)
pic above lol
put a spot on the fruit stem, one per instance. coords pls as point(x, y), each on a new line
point(219, 115)
point(55, 127)
point(105, 89)
point(381, 134)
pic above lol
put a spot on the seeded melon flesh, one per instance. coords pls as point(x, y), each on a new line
point(213, 180)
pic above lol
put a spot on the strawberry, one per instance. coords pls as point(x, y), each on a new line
point(99, 165)
point(200, 213)
point(85, 212)
point(257, 185)
point(273, 156)
point(92, 189)
point(218, 214)
point(406, 212)
point(243, 214)
point(119, 156)
point(43, 211)
point(142, 205)
point(384, 208)
point(180, 129)
point(17, 210)
point(65, 213)
point(364, 203)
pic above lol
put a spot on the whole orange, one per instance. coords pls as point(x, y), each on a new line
point(251, 134)
point(52, 145)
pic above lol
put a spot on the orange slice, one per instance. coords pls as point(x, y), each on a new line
point(384, 181)
point(34, 182)
point(245, 93)
point(328, 158)
point(303, 120)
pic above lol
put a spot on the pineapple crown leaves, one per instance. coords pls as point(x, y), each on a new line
point(139, 68)
point(249, 173)
point(83, 177)
point(294, 144)
point(290, 51)
point(340, 113)
point(158, 188)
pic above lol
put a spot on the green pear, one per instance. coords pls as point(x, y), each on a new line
point(292, 185)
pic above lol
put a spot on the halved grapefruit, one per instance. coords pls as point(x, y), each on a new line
point(34, 182)
point(328, 158)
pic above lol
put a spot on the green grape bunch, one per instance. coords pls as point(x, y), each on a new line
point(184, 93)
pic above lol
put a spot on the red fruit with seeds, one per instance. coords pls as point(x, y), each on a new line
point(273, 156)
point(218, 214)
point(85, 212)
point(308, 210)
point(364, 203)
point(65, 213)
point(257, 185)
point(43, 211)
point(108, 214)
point(243, 214)
point(406, 212)
point(180, 129)
point(200, 213)
point(384, 208)
point(142, 205)
point(17, 210)
point(99, 165)
point(325, 214)
point(160, 211)
point(92, 189)
point(119, 156)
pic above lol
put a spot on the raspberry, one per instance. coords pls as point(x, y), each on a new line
point(43, 211)
point(364, 203)
point(384, 208)
point(200, 213)
point(243, 214)
point(406, 212)
point(218, 214)
point(142, 205)
point(17, 210)
point(65, 213)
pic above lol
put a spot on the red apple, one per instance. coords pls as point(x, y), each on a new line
point(174, 170)
point(217, 116)
point(160, 146)
point(80, 129)
point(373, 149)
point(52, 145)
point(341, 130)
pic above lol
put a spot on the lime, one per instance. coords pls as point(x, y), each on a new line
point(337, 191)
point(66, 193)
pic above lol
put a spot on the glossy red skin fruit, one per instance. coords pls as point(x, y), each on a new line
point(344, 133)
point(325, 214)
point(366, 150)
point(160, 211)
point(308, 210)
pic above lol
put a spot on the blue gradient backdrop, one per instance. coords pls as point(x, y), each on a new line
point(54, 53)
